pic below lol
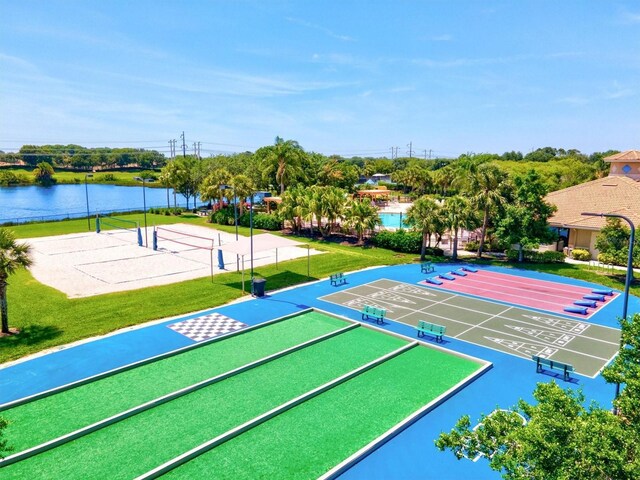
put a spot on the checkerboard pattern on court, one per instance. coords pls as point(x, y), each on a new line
point(207, 326)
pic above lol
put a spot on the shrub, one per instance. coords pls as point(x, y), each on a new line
point(108, 177)
point(533, 256)
point(224, 216)
point(581, 254)
point(472, 246)
point(398, 241)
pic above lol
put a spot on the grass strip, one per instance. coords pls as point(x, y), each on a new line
point(310, 439)
point(140, 443)
point(50, 417)
point(47, 318)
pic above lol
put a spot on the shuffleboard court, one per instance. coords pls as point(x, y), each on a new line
point(355, 412)
point(510, 329)
point(139, 443)
point(343, 387)
point(528, 292)
point(42, 420)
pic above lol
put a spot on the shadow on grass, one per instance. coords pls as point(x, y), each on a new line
point(31, 335)
point(273, 282)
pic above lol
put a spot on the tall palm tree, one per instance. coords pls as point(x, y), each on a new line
point(244, 188)
point(13, 256)
point(458, 214)
point(361, 215)
point(487, 187)
point(214, 185)
point(423, 215)
point(284, 159)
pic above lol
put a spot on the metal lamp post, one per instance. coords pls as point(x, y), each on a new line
point(627, 283)
point(86, 193)
point(251, 239)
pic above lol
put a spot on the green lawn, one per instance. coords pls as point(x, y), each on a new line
point(48, 318)
point(50, 417)
point(302, 442)
point(142, 442)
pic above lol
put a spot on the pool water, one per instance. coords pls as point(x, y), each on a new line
point(392, 220)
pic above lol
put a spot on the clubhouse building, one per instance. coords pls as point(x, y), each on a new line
point(618, 193)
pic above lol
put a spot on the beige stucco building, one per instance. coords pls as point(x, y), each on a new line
point(618, 193)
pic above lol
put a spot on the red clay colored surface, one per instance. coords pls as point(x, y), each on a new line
point(527, 292)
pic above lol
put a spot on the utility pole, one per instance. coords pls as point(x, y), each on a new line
point(429, 154)
point(410, 149)
point(425, 153)
point(184, 145)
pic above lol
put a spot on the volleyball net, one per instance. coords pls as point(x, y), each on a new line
point(179, 242)
point(119, 225)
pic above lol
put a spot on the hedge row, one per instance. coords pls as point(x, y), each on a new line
point(536, 257)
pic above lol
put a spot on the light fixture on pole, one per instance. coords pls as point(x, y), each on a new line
point(86, 193)
point(627, 282)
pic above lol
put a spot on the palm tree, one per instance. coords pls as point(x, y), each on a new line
point(487, 187)
point(458, 214)
point(284, 159)
point(423, 215)
point(361, 215)
point(212, 186)
point(244, 188)
point(13, 256)
point(44, 173)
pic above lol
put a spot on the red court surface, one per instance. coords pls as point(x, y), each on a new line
point(527, 292)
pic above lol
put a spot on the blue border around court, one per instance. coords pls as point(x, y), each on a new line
point(411, 454)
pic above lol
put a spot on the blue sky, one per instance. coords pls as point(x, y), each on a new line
point(340, 77)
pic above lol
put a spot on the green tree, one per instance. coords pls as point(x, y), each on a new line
point(184, 175)
point(525, 219)
point(244, 187)
point(293, 207)
point(282, 161)
point(487, 188)
point(423, 215)
point(212, 185)
point(456, 214)
point(563, 439)
point(613, 242)
point(13, 256)
point(361, 215)
point(43, 173)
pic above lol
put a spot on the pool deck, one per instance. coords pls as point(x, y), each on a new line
point(411, 453)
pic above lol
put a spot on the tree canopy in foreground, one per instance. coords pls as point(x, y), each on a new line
point(561, 438)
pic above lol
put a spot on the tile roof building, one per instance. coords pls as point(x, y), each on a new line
point(618, 193)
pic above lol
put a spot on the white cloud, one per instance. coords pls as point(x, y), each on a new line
point(326, 31)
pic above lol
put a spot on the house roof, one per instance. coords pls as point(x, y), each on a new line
point(619, 195)
point(628, 156)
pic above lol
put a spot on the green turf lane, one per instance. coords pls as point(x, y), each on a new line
point(140, 443)
point(310, 439)
point(42, 420)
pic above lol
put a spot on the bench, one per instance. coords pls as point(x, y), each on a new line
point(434, 281)
point(446, 276)
point(376, 313)
point(470, 269)
point(426, 328)
point(427, 267)
point(338, 279)
point(552, 364)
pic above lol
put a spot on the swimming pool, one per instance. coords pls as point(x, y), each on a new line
point(392, 219)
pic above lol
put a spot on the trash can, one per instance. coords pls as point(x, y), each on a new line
point(258, 287)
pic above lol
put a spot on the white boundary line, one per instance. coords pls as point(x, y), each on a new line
point(324, 298)
point(165, 398)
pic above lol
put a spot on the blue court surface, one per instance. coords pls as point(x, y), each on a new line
point(411, 454)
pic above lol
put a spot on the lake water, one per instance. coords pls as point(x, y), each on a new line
point(33, 203)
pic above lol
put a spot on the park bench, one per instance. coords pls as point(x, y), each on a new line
point(338, 278)
point(426, 328)
point(376, 313)
point(427, 267)
point(552, 364)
